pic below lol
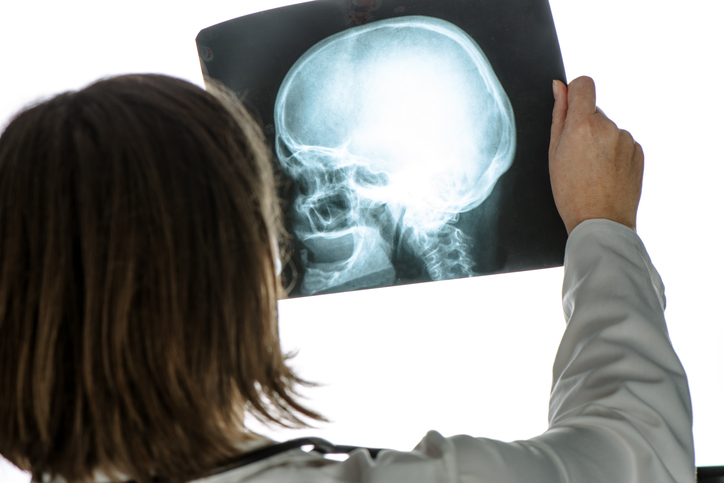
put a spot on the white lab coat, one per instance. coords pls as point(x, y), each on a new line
point(619, 410)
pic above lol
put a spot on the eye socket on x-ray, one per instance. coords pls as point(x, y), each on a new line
point(391, 130)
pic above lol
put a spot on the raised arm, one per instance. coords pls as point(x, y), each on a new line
point(620, 405)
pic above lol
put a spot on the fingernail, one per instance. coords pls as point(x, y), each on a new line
point(555, 90)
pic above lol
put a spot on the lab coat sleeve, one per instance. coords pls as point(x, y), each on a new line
point(619, 409)
point(619, 387)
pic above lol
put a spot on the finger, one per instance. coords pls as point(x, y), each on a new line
point(639, 159)
point(560, 92)
point(582, 97)
point(639, 151)
point(634, 152)
point(627, 138)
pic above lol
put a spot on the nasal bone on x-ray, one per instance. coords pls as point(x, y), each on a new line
point(395, 127)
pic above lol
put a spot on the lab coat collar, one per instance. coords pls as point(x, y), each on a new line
point(101, 477)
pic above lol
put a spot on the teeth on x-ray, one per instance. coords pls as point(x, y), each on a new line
point(393, 127)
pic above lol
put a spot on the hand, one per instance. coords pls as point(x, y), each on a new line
point(596, 169)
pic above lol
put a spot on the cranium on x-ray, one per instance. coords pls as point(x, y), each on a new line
point(390, 130)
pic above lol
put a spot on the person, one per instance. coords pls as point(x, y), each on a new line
point(139, 244)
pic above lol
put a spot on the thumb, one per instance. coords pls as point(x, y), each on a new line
point(560, 109)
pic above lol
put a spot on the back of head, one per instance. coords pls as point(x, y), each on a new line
point(138, 285)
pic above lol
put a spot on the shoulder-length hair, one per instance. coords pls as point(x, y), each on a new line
point(138, 283)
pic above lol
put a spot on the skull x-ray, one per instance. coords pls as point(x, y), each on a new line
point(425, 139)
point(411, 147)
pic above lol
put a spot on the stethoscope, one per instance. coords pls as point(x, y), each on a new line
point(318, 445)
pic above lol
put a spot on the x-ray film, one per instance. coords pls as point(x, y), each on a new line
point(411, 137)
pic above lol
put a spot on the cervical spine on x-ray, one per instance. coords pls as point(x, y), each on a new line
point(396, 126)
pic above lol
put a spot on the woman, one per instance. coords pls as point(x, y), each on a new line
point(138, 260)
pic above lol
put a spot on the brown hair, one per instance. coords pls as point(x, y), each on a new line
point(138, 283)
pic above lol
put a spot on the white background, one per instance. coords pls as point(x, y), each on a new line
point(470, 356)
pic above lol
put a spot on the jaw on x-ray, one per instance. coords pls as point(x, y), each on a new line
point(390, 130)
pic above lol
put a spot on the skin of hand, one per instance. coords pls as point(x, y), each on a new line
point(596, 169)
